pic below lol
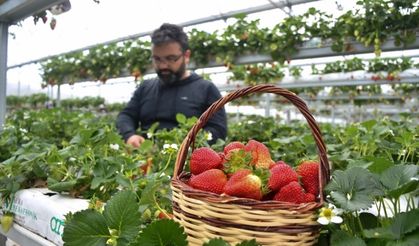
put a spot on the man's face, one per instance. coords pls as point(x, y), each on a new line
point(170, 62)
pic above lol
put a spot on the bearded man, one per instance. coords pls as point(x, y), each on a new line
point(175, 90)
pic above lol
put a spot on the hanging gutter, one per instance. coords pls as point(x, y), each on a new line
point(222, 16)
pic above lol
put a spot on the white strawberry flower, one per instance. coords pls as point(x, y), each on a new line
point(329, 215)
point(114, 146)
point(169, 148)
point(23, 130)
point(209, 136)
point(149, 135)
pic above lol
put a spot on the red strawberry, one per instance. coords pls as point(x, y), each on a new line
point(212, 180)
point(309, 176)
point(260, 153)
point(276, 163)
point(281, 175)
point(164, 215)
point(245, 184)
point(292, 192)
point(309, 197)
point(232, 146)
point(203, 159)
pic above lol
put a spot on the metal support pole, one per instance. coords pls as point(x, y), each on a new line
point(58, 95)
point(268, 105)
point(4, 27)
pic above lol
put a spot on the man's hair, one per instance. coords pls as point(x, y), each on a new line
point(167, 33)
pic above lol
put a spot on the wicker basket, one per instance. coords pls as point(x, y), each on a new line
point(206, 215)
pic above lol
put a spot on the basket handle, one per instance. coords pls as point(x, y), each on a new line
point(324, 173)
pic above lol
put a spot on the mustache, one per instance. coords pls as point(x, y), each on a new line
point(165, 71)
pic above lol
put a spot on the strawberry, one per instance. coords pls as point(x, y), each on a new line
point(163, 215)
point(260, 154)
point(233, 146)
point(236, 160)
point(245, 184)
point(276, 163)
point(309, 197)
point(308, 171)
point(292, 192)
point(212, 180)
point(203, 159)
point(6, 221)
point(281, 175)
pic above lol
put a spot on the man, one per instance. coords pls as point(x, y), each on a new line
point(176, 90)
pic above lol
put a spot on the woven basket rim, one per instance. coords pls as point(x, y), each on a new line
point(189, 141)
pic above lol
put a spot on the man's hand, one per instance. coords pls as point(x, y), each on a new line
point(135, 141)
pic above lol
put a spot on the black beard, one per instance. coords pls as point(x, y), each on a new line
point(170, 77)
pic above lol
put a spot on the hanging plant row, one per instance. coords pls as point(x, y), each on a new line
point(373, 23)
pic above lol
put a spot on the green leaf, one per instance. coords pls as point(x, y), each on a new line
point(248, 243)
point(379, 164)
point(342, 238)
point(369, 124)
point(163, 232)
point(148, 197)
point(87, 227)
point(146, 146)
point(400, 179)
point(121, 213)
point(38, 171)
point(180, 118)
point(216, 242)
point(405, 223)
point(60, 186)
point(123, 180)
point(368, 220)
point(409, 240)
point(402, 224)
point(358, 163)
point(354, 189)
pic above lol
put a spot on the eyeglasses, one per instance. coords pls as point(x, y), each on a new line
point(167, 59)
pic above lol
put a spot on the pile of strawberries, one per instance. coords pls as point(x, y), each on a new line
point(248, 171)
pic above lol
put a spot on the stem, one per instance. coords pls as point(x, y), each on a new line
point(378, 206)
point(360, 224)
point(167, 165)
point(398, 206)
point(384, 207)
point(394, 203)
point(412, 198)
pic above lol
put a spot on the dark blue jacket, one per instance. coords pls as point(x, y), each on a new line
point(154, 101)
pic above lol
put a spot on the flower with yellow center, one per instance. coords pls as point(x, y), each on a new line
point(329, 214)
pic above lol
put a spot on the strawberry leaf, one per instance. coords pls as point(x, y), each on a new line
point(87, 227)
point(216, 242)
point(248, 243)
point(400, 227)
point(400, 179)
point(148, 195)
point(163, 232)
point(342, 238)
point(61, 186)
point(121, 213)
point(354, 189)
point(379, 164)
point(120, 217)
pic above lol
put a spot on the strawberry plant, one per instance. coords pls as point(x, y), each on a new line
point(356, 190)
